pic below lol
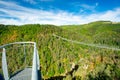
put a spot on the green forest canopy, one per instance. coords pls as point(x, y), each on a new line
point(57, 55)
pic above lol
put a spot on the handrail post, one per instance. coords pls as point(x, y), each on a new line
point(38, 63)
point(34, 66)
point(4, 65)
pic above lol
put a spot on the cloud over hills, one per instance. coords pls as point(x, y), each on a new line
point(14, 13)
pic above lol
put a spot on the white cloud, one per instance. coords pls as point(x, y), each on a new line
point(96, 4)
point(22, 15)
point(46, 0)
point(89, 7)
point(85, 7)
point(31, 1)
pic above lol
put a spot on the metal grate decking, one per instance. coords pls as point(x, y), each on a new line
point(24, 74)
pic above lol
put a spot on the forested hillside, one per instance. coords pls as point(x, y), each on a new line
point(103, 32)
point(62, 58)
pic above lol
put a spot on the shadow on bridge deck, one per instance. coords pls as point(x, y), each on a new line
point(24, 74)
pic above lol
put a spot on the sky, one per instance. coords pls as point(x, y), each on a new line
point(58, 12)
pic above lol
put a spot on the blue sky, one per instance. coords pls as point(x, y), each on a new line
point(58, 12)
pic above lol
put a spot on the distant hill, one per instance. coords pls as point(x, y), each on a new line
point(103, 32)
point(67, 60)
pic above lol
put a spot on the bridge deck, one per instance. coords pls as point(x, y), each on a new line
point(24, 74)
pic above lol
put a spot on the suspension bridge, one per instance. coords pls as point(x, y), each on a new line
point(88, 44)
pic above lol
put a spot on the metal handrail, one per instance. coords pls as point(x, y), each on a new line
point(17, 43)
